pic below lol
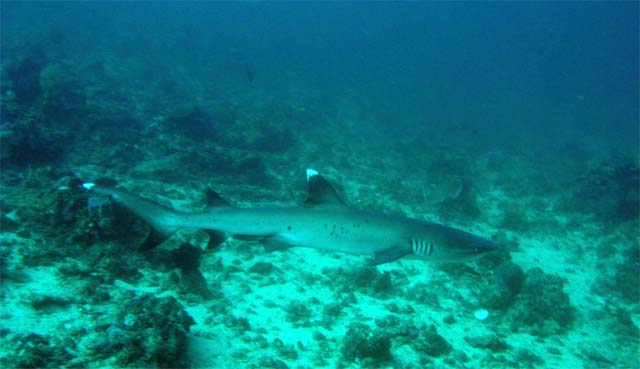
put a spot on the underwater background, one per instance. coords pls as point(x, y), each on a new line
point(530, 107)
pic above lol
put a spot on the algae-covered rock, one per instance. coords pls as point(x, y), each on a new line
point(382, 283)
point(262, 268)
point(627, 274)
point(400, 331)
point(528, 359)
point(193, 122)
point(542, 308)
point(63, 96)
point(502, 287)
point(298, 313)
point(432, 343)
point(368, 279)
point(360, 342)
point(609, 192)
point(285, 351)
point(462, 203)
point(148, 332)
point(26, 143)
point(489, 342)
point(511, 276)
point(623, 282)
point(49, 303)
point(22, 76)
point(38, 351)
point(270, 363)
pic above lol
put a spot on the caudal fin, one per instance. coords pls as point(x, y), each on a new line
point(163, 220)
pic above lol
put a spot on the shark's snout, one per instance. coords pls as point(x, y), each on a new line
point(479, 246)
point(485, 245)
point(466, 245)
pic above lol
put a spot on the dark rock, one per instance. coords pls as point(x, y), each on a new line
point(187, 257)
point(362, 343)
point(449, 319)
point(240, 325)
point(255, 171)
point(318, 336)
point(271, 363)
point(29, 144)
point(610, 192)
point(491, 342)
point(25, 77)
point(382, 283)
point(262, 268)
point(7, 224)
point(149, 331)
point(332, 309)
point(193, 282)
point(542, 306)
point(496, 296)
point(364, 277)
point(512, 276)
point(273, 139)
point(298, 313)
point(37, 351)
point(63, 96)
point(462, 204)
point(528, 359)
point(625, 280)
point(619, 323)
point(368, 278)
point(500, 291)
point(192, 122)
point(432, 343)
point(286, 351)
point(48, 304)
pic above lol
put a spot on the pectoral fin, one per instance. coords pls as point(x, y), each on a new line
point(390, 254)
point(215, 239)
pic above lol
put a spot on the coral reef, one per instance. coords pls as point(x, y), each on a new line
point(370, 346)
point(609, 192)
point(543, 307)
point(148, 332)
point(192, 122)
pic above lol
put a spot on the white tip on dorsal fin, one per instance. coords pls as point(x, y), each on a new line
point(88, 185)
point(311, 173)
point(320, 191)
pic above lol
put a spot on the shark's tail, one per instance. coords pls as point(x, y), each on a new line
point(163, 220)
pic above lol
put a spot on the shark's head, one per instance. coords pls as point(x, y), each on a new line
point(461, 245)
point(456, 245)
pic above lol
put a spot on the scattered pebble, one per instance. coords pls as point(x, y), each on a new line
point(481, 314)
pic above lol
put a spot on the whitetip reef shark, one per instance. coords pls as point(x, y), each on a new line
point(322, 222)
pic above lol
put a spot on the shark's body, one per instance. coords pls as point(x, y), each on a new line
point(323, 222)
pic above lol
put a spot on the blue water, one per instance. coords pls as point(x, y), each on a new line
point(530, 109)
point(563, 72)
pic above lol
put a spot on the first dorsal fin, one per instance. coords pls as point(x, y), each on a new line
point(321, 192)
point(214, 199)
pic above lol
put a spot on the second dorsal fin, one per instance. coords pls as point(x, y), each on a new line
point(214, 199)
point(320, 191)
